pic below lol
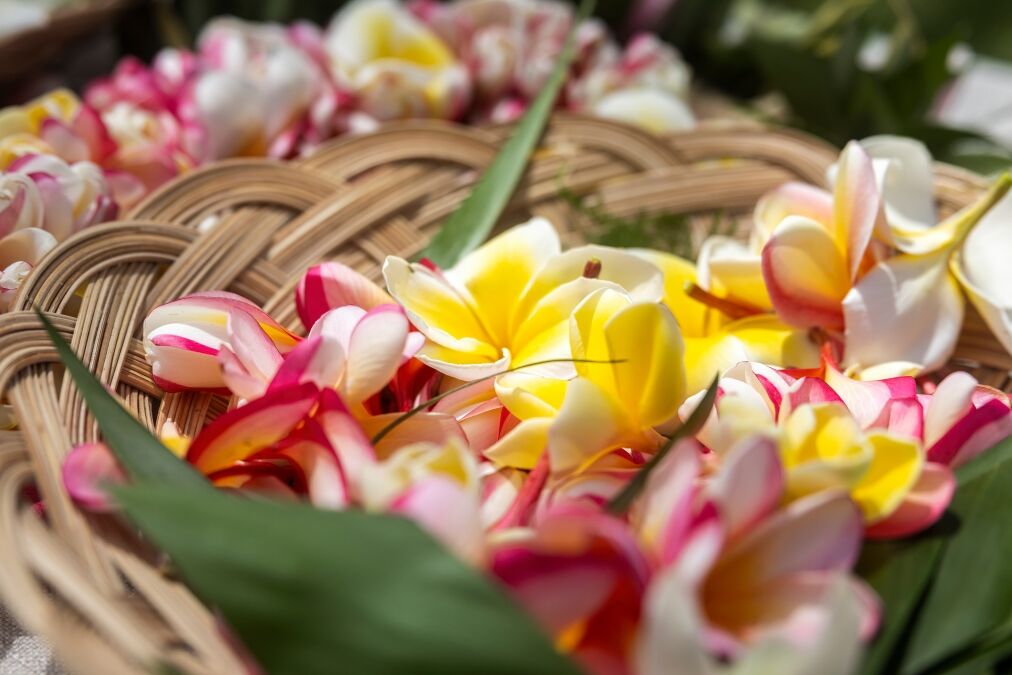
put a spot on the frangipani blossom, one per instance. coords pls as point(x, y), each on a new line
point(393, 64)
point(43, 200)
point(256, 87)
point(508, 303)
point(721, 329)
point(826, 261)
point(740, 570)
point(183, 338)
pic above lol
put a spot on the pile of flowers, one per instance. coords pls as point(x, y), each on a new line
point(505, 404)
point(472, 61)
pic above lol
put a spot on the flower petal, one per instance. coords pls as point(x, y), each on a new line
point(87, 470)
point(922, 506)
point(498, 272)
point(790, 199)
point(332, 284)
point(655, 110)
point(984, 272)
point(729, 269)
point(375, 352)
point(28, 245)
point(857, 205)
point(649, 375)
point(907, 182)
point(252, 427)
point(895, 468)
point(523, 446)
point(907, 308)
point(749, 485)
point(806, 273)
point(590, 423)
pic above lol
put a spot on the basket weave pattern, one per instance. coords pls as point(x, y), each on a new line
point(87, 583)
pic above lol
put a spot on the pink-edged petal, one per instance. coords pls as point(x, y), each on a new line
point(664, 512)
point(318, 359)
point(922, 506)
point(951, 401)
point(979, 430)
point(806, 274)
point(903, 416)
point(252, 347)
point(375, 351)
point(857, 204)
point(331, 285)
point(86, 469)
point(866, 400)
point(790, 199)
point(237, 378)
point(569, 568)
point(820, 532)
point(309, 448)
point(449, 511)
point(252, 427)
point(807, 390)
point(749, 485)
point(345, 435)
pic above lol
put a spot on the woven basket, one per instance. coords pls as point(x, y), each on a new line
point(86, 582)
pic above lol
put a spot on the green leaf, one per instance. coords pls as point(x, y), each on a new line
point(312, 591)
point(900, 572)
point(471, 223)
point(621, 502)
point(141, 454)
point(972, 591)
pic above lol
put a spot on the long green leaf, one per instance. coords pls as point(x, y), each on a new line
point(471, 223)
point(141, 454)
point(621, 502)
point(972, 591)
point(311, 591)
point(900, 572)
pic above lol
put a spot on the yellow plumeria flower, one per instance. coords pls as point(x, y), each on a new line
point(508, 303)
point(396, 66)
point(636, 383)
point(715, 341)
point(823, 447)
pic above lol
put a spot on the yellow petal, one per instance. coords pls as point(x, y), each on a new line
point(523, 446)
point(823, 448)
point(695, 318)
point(441, 312)
point(650, 379)
point(895, 467)
point(590, 423)
point(528, 395)
point(641, 280)
point(728, 269)
point(587, 335)
point(497, 273)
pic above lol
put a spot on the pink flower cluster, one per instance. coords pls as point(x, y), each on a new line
point(266, 89)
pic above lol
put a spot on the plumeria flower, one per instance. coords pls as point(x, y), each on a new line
point(20, 125)
point(261, 66)
point(826, 263)
point(647, 86)
point(42, 201)
point(822, 445)
point(748, 585)
point(393, 64)
point(720, 327)
point(508, 303)
point(438, 486)
point(183, 338)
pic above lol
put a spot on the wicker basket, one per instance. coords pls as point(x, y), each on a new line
point(87, 583)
